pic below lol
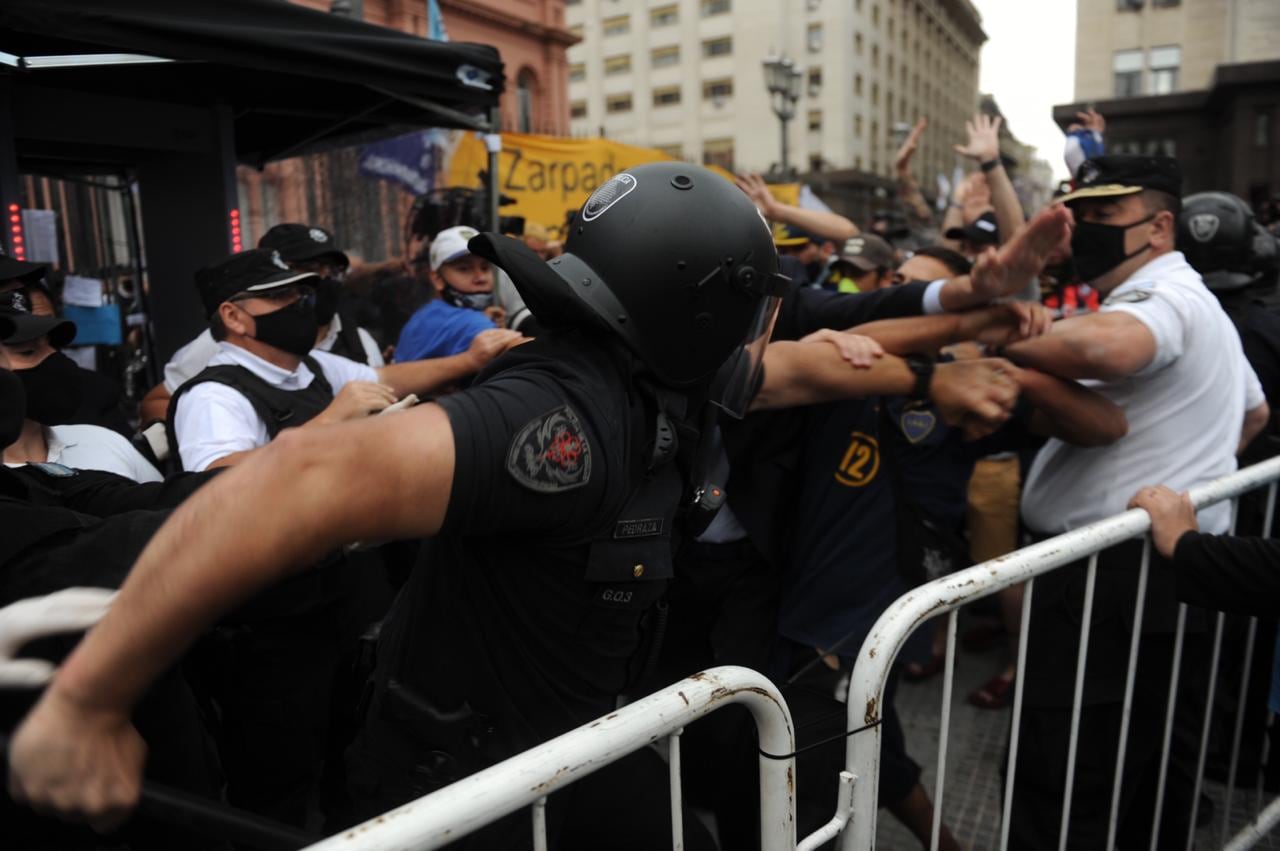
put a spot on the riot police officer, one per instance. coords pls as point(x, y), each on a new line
point(530, 616)
point(1239, 260)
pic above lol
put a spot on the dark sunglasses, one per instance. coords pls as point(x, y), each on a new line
point(305, 296)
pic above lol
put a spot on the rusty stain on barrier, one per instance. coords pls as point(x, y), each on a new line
point(872, 705)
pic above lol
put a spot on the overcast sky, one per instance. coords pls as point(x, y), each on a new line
point(1028, 63)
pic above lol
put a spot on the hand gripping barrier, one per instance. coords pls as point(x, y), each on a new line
point(948, 594)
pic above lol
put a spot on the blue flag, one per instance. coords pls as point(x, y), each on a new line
point(435, 22)
point(408, 160)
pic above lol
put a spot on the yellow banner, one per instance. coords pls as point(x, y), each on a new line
point(550, 177)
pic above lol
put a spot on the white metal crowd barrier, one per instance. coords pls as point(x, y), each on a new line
point(528, 778)
point(948, 594)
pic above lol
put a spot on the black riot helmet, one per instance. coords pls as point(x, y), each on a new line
point(673, 259)
point(1216, 232)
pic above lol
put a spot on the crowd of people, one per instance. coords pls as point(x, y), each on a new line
point(385, 525)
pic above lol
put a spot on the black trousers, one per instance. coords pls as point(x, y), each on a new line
point(1052, 650)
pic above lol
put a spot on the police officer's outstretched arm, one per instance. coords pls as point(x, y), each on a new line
point(282, 510)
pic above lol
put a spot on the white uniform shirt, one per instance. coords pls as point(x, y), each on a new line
point(1185, 409)
point(91, 447)
point(213, 420)
point(190, 360)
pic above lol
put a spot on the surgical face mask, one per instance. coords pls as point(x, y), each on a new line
point(13, 407)
point(53, 390)
point(471, 301)
point(328, 291)
point(1096, 248)
point(291, 329)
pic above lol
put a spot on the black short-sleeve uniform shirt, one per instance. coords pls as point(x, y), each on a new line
point(500, 629)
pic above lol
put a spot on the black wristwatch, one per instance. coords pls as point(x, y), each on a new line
point(991, 165)
point(922, 368)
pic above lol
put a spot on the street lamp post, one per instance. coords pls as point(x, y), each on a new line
point(783, 80)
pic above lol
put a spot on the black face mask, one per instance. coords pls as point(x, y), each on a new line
point(13, 407)
point(290, 329)
point(471, 301)
point(53, 390)
point(327, 293)
point(1096, 249)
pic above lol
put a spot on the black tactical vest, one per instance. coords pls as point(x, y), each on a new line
point(277, 408)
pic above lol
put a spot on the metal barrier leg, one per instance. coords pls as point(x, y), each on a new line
point(677, 789)
point(1208, 705)
point(1138, 610)
point(1016, 726)
point(948, 681)
point(1086, 623)
point(1179, 634)
point(1239, 731)
point(540, 824)
point(1204, 730)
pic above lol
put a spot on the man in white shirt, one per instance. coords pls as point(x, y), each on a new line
point(265, 376)
point(29, 346)
point(304, 248)
point(1163, 350)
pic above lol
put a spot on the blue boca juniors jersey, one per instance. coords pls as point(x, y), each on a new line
point(844, 567)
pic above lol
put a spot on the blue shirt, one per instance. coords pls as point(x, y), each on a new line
point(439, 329)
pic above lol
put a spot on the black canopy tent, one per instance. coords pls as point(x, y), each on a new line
point(178, 93)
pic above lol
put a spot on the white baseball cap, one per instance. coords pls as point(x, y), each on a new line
point(450, 244)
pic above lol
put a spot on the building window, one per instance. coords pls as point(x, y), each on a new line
point(1262, 128)
point(618, 103)
point(576, 31)
point(813, 38)
point(615, 65)
point(526, 87)
point(875, 15)
point(857, 126)
point(572, 2)
point(1128, 5)
point(578, 109)
point(1127, 65)
point(1166, 4)
point(618, 25)
point(875, 94)
point(857, 43)
point(668, 96)
point(857, 84)
point(718, 152)
point(717, 90)
point(664, 57)
point(888, 64)
point(815, 120)
point(815, 82)
point(577, 72)
point(1164, 63)
point(717, 47)
point(815, 162)
point(857, 162)
point(664, 16)
point(812, 5)
point(676, 152)
point(716, 7)
point(875, 56)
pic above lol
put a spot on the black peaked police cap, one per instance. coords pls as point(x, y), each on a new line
point(1126, 174)
point(249, 271)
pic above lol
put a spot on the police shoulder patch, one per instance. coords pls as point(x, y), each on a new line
point(551, 453)
point(1131, 297)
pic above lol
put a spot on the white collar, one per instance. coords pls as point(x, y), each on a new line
point(265, 369)
point(55, 444)
point(1152, 271)
point(331, 337)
